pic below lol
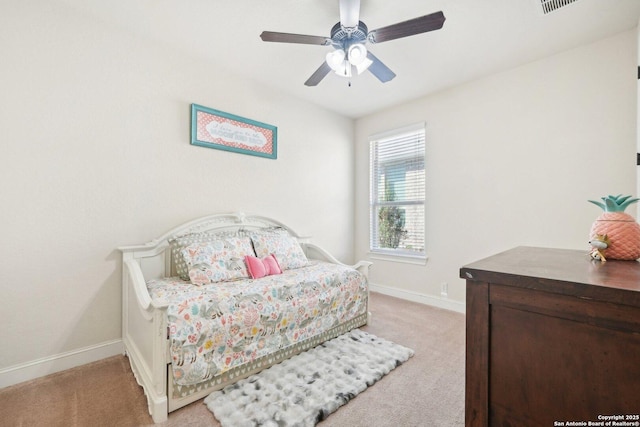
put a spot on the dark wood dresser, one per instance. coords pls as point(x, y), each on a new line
point(553, 338)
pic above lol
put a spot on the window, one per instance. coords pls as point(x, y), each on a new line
point(397, 192)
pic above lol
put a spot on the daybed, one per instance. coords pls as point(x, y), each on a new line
point(194, 318)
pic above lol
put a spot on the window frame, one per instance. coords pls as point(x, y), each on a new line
point(391, 254)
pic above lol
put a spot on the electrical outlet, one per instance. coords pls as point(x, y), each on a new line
point(444, 289)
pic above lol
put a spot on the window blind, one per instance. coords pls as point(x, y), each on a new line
point(397, 197)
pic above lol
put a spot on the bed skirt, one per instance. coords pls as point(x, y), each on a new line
point(218, 382)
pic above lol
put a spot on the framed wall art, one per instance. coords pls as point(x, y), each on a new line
point(223, 131)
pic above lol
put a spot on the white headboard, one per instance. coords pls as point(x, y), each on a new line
point(155, 260)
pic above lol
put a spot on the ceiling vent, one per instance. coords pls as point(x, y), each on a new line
point(549, 6)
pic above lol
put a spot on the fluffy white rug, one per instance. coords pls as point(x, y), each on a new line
point(305, 389)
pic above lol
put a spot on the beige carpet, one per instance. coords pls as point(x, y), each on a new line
point(428, 390)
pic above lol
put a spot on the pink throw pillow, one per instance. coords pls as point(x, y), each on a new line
point(266, 266)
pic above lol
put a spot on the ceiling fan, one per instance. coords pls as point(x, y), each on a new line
point(349, 37)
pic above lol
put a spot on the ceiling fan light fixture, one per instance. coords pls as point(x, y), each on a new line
point(357, 53)
point(358, 57)
point(336, 59)
point(362, 67)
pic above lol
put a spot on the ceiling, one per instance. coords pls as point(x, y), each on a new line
point(478, 38)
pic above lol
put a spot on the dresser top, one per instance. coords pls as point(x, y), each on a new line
point(563, 271)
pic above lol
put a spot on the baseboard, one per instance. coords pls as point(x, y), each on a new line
point(439, 302)
point(59, 362)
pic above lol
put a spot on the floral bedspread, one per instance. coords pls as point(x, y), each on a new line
point(219, 326)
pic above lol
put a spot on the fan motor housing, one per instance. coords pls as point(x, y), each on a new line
point(345, 37)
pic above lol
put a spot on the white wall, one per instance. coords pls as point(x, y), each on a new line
point(94, 137)
point(511, 160)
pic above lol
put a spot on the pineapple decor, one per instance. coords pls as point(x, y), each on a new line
point(620, 229)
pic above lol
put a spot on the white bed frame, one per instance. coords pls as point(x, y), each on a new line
point(144, 324)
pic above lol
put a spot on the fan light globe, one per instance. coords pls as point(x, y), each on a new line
point(357, 54)
point(358, 57)
point(335, 59)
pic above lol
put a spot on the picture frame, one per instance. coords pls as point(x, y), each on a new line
point(223, 131)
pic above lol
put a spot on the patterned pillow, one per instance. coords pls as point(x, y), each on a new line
point(285, 247)
point(178, 243)
point(218, 260)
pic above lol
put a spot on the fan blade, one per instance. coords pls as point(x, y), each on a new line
point(378, 69)
point(349, 13)
point(270, 36)
point(318, 75)
point(420, 25)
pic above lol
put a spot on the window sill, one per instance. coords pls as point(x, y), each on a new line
point(406, 259)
